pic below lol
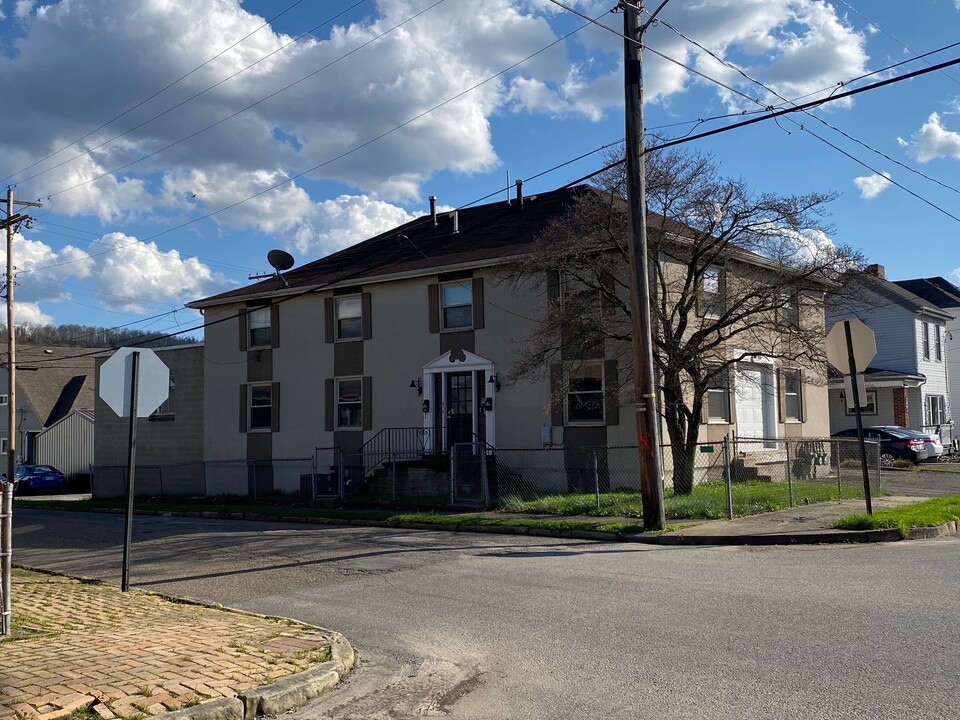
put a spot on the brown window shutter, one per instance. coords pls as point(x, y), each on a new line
point(478, 306)
point(556, 402)
point(781, 397)
point(553, 286)
point(366, 402)
point(611, 386)
point(433, 306)
point(328, 402)
point(328, 319)
point(365, 321)
point(243, 407)
point(275, 407)
point(274, 325)
point(244, 334)
point(802, 391)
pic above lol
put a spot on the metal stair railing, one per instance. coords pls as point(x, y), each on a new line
point(392, 444)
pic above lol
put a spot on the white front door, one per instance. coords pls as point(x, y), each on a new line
point(755, 402)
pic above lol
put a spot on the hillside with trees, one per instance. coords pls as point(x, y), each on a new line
point(90, 336)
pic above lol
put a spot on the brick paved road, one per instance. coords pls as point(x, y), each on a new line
point(134, 653)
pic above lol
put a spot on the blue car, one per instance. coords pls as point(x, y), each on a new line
point(38, 478)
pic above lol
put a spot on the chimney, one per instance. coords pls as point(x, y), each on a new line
point(520, 193)
point(456, 223)
point(433, 209)
point(876, 270)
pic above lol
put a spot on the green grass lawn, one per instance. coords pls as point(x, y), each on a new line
point(708, 500)
point(928, 513)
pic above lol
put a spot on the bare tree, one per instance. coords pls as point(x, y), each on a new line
point(738, 275)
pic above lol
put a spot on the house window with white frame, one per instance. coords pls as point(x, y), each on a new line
point(926, 341)
point(711, 292)
point(260, 409)
point(935, 410)
point(4, 399)
point(792, 396)
point(789, 309)
point(349, 318)
point(585, 394)
point(349, 404)
point(718, 396)
point(868, 405)
point(456, 305)
point(258, 324)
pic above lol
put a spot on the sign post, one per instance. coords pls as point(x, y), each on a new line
point(133, 382)
point(851, 346)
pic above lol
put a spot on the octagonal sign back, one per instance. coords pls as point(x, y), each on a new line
point(116, 375)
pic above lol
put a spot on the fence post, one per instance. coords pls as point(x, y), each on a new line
point(453, 479)
point(879, 468)
point(789, 474)
point(596, 478)
point(728, 476)
point(393, 474)
point(484, 479)
point(835, 452)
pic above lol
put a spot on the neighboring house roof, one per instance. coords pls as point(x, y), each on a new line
point(935, 290)
point(875, 377)
point(62, 381)
point(83, 413)
point(901, 296)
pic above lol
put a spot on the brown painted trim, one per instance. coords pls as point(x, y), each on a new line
point(328, 329)
point(328, 390)
point(433, 307)
point(477, 301)
point(366, 323)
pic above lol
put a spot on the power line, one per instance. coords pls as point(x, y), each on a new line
point(231, 115)
point(160, 92)
point(347, 153)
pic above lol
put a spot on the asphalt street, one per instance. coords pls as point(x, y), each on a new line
point(486, 626)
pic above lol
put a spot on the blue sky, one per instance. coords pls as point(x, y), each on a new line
point(359, 110)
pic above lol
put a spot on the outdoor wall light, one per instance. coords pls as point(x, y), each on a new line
point(495, 381)
point(417, 385)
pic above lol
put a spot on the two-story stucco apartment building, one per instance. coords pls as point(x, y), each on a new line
point(413, 329)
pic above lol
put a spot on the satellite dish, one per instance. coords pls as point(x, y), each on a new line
point(280, 260)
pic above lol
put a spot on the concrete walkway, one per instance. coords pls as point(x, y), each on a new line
point(78, 644)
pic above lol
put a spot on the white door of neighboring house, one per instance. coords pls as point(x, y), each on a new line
point(755, 402)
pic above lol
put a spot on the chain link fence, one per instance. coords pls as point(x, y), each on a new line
point(732, 478)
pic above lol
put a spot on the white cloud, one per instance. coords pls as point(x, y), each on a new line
point(934, 141)
point(134, 274)
point(872, 185)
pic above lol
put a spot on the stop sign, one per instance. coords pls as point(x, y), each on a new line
point(864, 346)
point(116, 376)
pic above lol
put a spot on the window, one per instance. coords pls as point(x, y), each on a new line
point(585, 394)
point(258, 323)
point(934, 410)
point(937, 343)
point(868, 405)
point(456, 305)
point(926, 341)
point(4, 446)
point(789, 309)
point(349, 318)
point(350, 404)
point(712, 292)
point(718, 396)
point(261, 407)
point(165, 411)
point(4, 399)
point(792, 396)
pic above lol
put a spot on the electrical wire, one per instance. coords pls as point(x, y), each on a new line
point(164, 89)
point(233, 114)
point(347, 153)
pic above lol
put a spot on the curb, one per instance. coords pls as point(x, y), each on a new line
point(826, 536)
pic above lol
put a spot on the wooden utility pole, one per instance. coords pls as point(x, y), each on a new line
point(645, 391)
point(6, 509)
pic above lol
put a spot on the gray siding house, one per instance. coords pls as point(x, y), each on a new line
point(406, 341)
point(908, 383)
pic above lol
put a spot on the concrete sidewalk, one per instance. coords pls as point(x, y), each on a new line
point(84, 644)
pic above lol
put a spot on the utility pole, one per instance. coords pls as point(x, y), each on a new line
point(11, 222)
point(645, 391)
